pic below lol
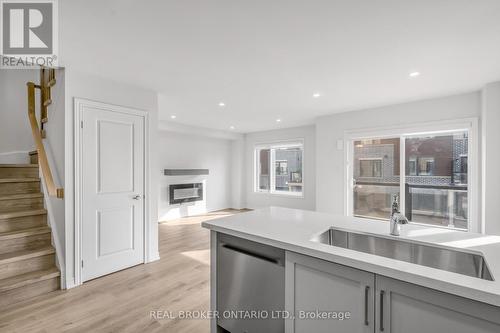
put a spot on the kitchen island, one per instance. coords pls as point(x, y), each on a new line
point(325, 285)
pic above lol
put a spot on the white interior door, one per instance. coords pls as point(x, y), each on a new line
point(112, 194)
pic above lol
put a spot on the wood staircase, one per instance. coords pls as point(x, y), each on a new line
point(27, 258)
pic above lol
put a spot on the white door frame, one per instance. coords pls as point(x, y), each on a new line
point(79, 106)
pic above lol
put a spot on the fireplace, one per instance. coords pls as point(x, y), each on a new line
point(181, 193)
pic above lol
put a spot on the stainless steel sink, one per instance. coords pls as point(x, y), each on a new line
point(456, 261)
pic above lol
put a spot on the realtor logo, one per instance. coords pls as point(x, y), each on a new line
point(28, 33)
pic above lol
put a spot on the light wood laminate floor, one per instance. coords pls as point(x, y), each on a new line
point(121, 302)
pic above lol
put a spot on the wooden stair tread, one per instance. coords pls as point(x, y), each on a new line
point(21, 196)
point(24, 233)
point(19, 166)
point(8, 214)
point(33, 152)
point(27, 279)
point(25, 254)
point(19, 180)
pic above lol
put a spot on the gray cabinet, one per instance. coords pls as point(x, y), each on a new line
point(376, 304)
point(404, 307)
point(319, 288)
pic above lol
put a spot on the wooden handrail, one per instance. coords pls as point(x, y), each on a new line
point(42, 155)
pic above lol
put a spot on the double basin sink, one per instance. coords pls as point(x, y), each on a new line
point(461, 262)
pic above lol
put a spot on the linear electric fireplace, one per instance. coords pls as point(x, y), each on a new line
point(181, 193)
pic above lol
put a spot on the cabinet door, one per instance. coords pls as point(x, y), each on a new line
point(316, 287)
point(405, 307)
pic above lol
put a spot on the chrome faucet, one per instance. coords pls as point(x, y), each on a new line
point(397, 219)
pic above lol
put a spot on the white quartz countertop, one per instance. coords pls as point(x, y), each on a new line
point(293, 229)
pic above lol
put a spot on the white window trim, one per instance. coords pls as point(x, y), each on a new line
point(475, 221)
point(271, 146)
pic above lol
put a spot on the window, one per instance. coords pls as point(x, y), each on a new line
point(286, 177)
point(420, 166)
point(426, 166)
point(282, 168)
point(462, 175)
point(463, 163)
point(428, 172)
point(412, 166)
point(370, 167)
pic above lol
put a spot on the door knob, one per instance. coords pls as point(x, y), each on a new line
point(136, 197)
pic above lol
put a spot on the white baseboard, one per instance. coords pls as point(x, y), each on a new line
point(70, 284)
point(154, 257)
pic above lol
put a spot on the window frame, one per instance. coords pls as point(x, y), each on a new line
point(272, 169)
point(475, 221)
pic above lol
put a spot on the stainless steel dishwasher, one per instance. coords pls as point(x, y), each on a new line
point(250, 277)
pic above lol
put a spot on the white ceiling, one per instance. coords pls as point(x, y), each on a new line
point(265, 58)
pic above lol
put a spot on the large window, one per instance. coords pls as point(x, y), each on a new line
point(279, 168)
point(429, 173)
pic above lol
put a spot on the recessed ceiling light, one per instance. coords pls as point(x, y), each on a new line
point(414, 74)
point(222, 104)
point(231, 127)
point(173, 116)
point(316, 95)
point(278, 120)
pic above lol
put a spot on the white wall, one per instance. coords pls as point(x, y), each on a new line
point(491, 157)
point(79, 85)
point(330, 160)
point(15, 133)
point(188, 151)
point(257, 200)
